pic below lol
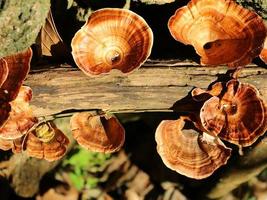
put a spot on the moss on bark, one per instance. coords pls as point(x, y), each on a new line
point(260, 6)
point(20, 22)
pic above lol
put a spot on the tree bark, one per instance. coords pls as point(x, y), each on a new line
point(20, 23)
point(155, 86)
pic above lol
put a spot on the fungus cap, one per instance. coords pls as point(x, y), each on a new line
point(112, 38)
point(5, 144)
point(239, 116)
point(221, 31)
point(263, 54)
point(3, 71)
point(99, 133)
point(15, 145)
point(187, 151)
point(199, 94)
point(18, 67)
point(159, 2)
point(21, 118)
point(5, 109)
point(46, 142)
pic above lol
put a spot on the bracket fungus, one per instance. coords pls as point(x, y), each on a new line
point(263, 54)
point(15, 145)
point(18, 67)
point(6, 144)
point(189, 152)
point(199, 94)
point(21, 117)
point(13, 71)
point(99, 133)
point(221, 31)
point(46, 142)
point(238, 115)
point(3, 71)
point(5, 109)
point(159, 2)
point(112, 38)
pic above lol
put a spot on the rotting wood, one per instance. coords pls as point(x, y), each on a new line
point(154, 87)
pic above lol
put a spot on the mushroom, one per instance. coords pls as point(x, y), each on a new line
point(222, 32)
point(5, 109)
point(18, 67)
point(263, 54)
point(189, 152)
point(3, 72)
point(199, 94)
point(46, 142)
point(15, 145)
point(99, 133)
point(159, 2)
point(238, 116)
point(112, 38)
point(6, 144)
point(21, 117)
point(13, 70)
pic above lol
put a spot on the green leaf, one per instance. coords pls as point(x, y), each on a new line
point(85, 159)
point(77, 181)
point(91, 182)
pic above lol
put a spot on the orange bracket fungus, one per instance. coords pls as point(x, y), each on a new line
point(21, 117)
point(6, 144)
point(263, 54)
point(13, 70)
point(46, 142)
point(221, 31)
point(5, 109)
point(112, 38)
point(199, 94)
point(159, 2)
point(18, 67)
point(15, 145)
point(238, 115)
point(189, 152)
point(99, 133)
point(3, 71)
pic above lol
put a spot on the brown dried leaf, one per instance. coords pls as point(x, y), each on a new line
point(50, 38)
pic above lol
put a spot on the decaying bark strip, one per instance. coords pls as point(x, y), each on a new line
point(155, 86)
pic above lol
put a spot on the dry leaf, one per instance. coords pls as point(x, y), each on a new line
point(51, 44)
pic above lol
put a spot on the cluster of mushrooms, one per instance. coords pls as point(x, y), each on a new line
point(231, 111)
point(21, 131)
point(19, 128)
point(221, 31)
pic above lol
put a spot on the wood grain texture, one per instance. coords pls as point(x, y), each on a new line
point(155, 86)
